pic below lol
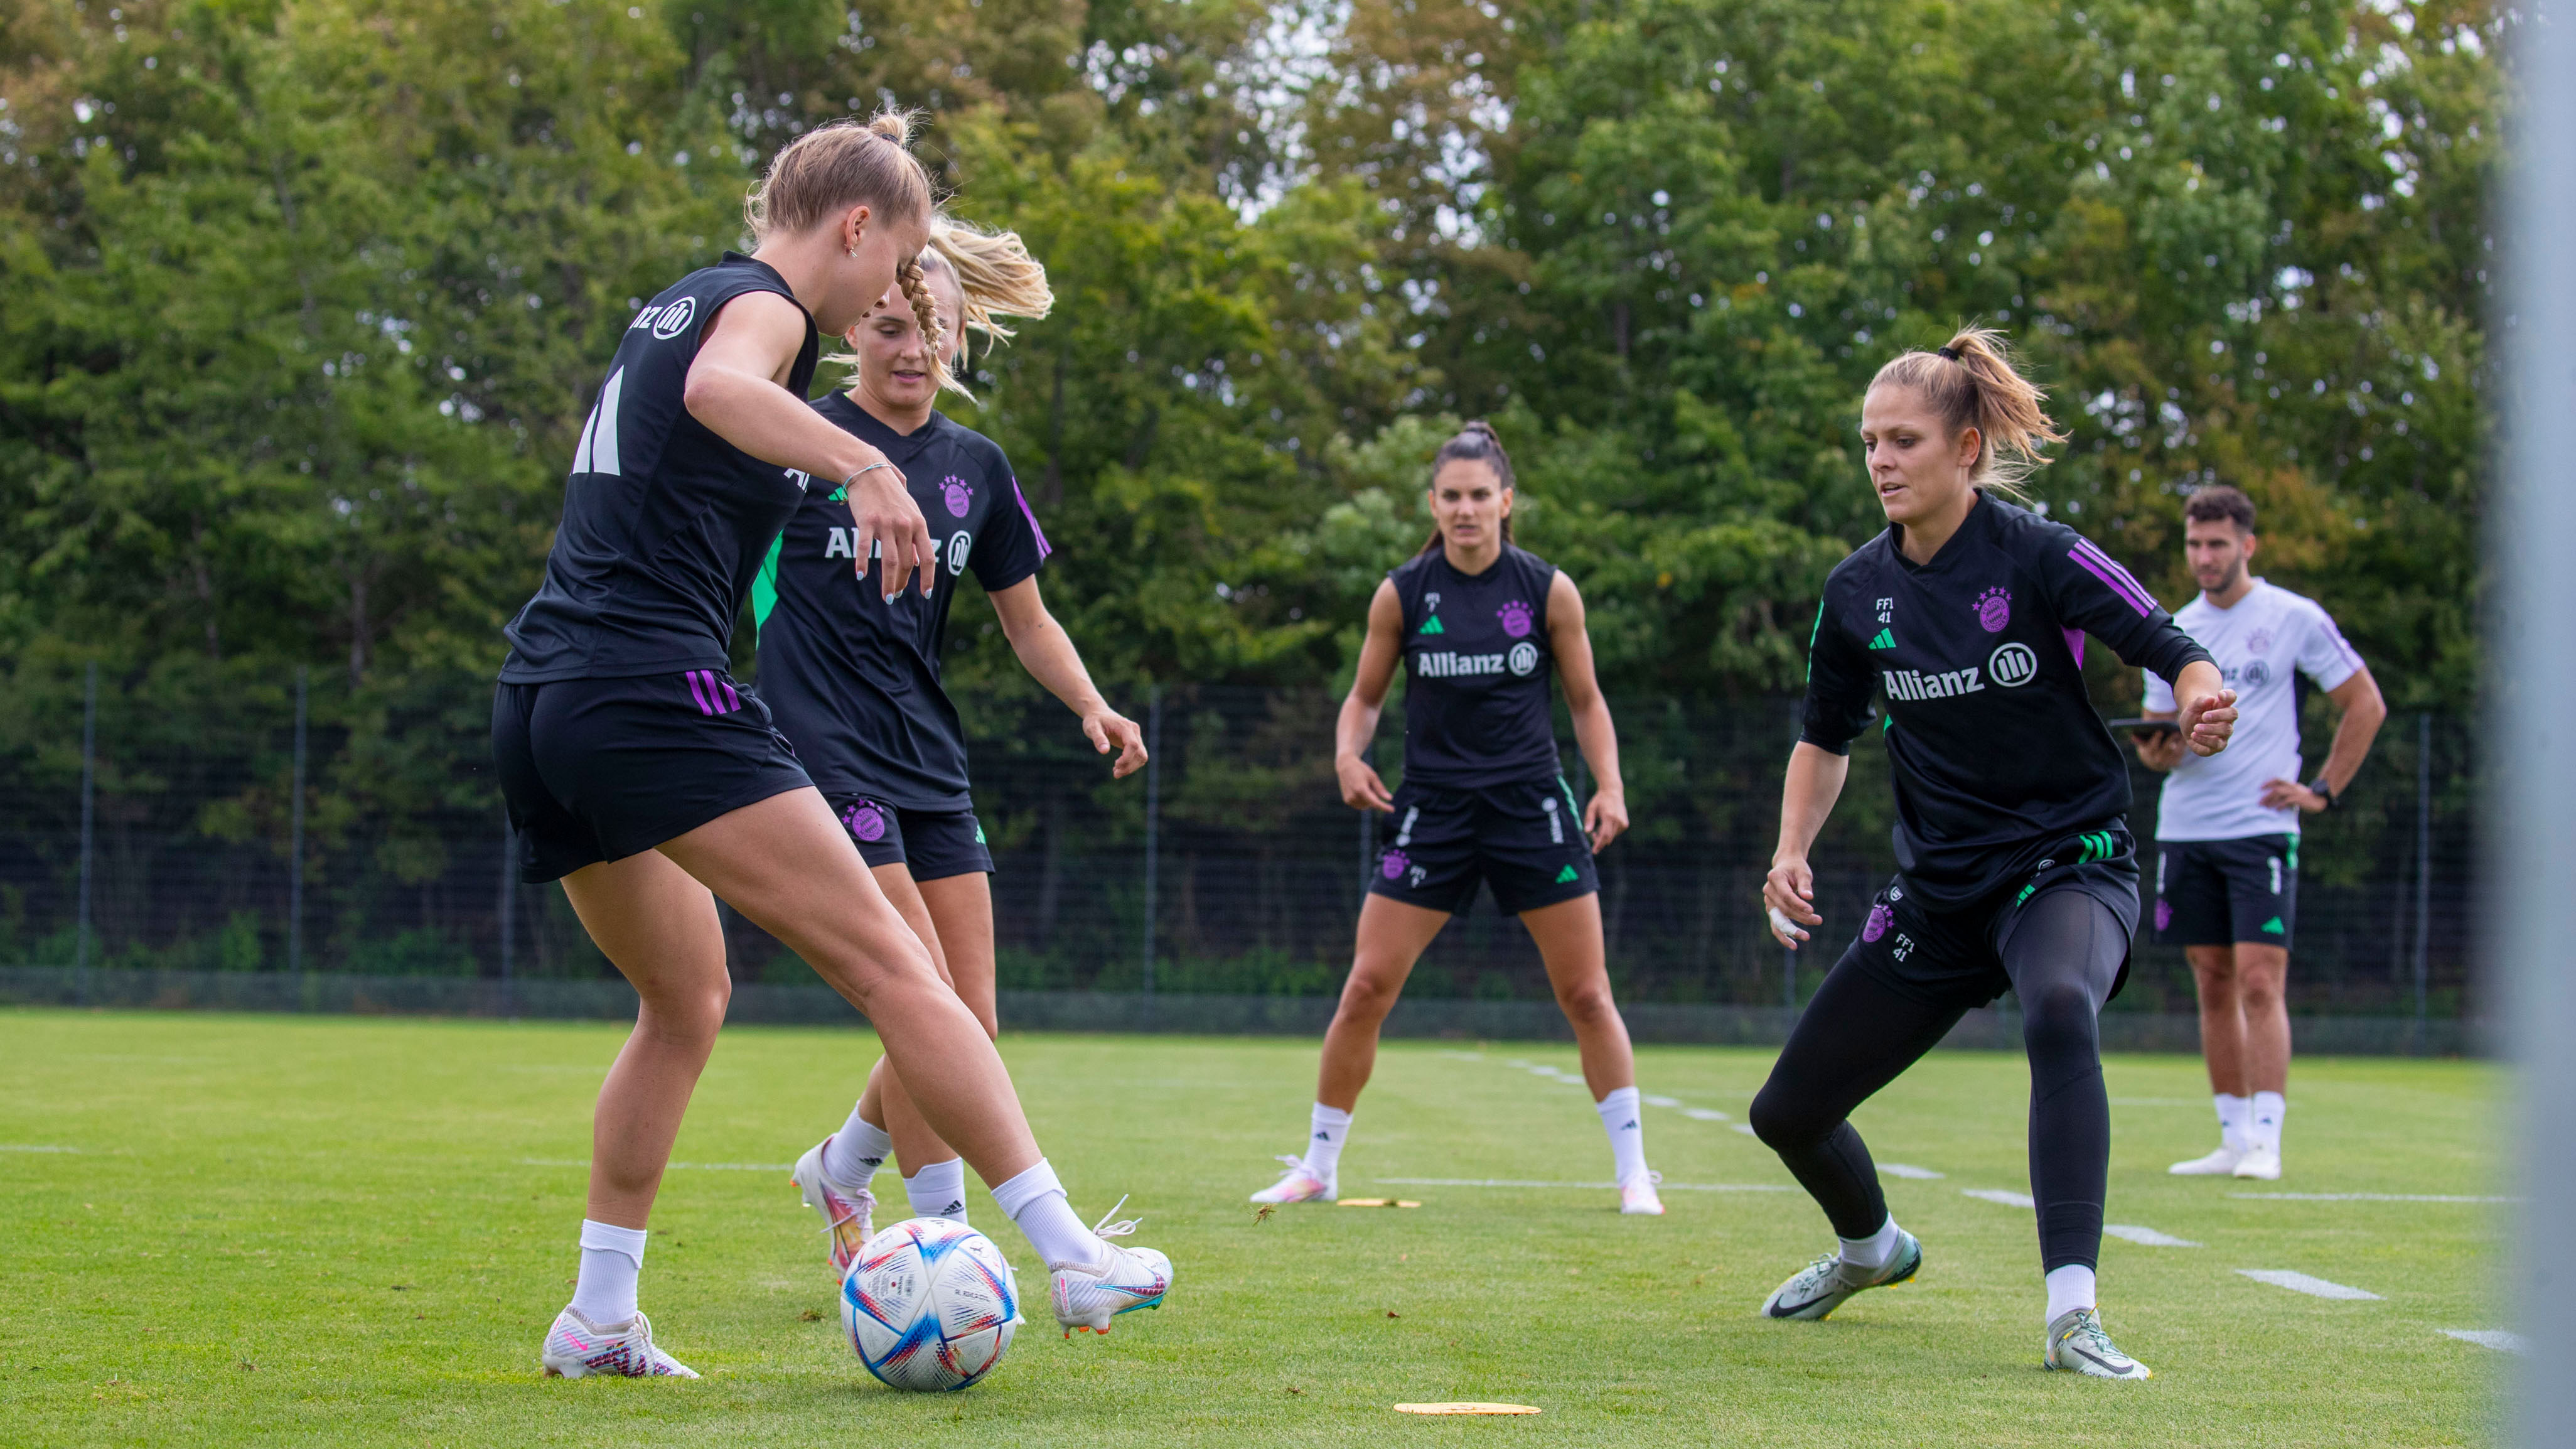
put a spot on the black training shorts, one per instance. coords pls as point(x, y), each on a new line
point(2219, 892)
point(1956, 958)
point(1526, 840)
point(928, 844)
point(601, 769)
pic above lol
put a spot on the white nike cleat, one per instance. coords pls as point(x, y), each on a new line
point(1637, 1196)
point(1297, 1185)
point(2077, 1344)
point(848, 1213)
point(2262, 1162)
point(2216, 1164)
point(577, 1348)
point(1818, 1289)
point(1124, 1280)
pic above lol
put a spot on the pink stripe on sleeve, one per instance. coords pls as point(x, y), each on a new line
point(1044, 548)
point(698, 692)
point(2131, 595)
point(733, 701)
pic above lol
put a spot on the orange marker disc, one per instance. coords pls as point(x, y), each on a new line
point(1465, 1408)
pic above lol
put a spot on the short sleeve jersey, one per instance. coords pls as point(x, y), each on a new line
point(853, 681)
point(664, 522)
point(1998, 758)
point(1477, 664)
point(2269, 636)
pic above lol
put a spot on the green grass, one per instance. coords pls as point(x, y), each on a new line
point(354, 1231)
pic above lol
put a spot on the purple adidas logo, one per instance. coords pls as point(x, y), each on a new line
point(713, 692)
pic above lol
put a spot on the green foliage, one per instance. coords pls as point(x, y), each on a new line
point(302, 304)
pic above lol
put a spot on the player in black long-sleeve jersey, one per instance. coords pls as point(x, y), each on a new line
point(2014, 870)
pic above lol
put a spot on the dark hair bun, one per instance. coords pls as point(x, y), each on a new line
point(1480, 428)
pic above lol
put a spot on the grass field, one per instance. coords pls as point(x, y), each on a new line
point(238, 1230)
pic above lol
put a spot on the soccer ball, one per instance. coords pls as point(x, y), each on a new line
point(930, 1304)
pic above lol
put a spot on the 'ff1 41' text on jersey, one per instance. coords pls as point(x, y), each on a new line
point(1998, 757)
point(1477, 662)
point(2262, 643)
point(855, 681)
point(664, 522)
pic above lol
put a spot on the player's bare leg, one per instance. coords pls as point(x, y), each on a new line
point(1570, 941)
point(1392, 936)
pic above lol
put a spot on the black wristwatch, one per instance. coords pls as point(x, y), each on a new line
point(2322, 788)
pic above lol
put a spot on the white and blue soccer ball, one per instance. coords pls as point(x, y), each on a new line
point(930, 1305)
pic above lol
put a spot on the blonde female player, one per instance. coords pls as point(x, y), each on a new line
point(649, 782)
point(1479, 624)
point(2014, 870)
point(856, 683)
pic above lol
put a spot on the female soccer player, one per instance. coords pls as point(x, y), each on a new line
point(643, 777)
point(2014, 870)
point(1479, 623)
point(855, 682)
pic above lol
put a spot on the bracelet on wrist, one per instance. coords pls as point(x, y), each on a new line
point(863, 472)
point(2322, 788)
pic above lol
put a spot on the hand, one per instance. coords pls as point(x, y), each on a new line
point(2159, 750)
point(2207, 720)
point(1361, 787)
point(1789, 893)
point(1606, 816)
point(890, 524)
point(1108, 729)
point(2282, 794)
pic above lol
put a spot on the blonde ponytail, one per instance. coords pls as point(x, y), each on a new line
point(1971, 382)
point(994, 272)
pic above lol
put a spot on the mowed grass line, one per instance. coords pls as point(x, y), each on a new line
point(352, 1231)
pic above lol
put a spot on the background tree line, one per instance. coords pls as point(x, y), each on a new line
point(302, 303)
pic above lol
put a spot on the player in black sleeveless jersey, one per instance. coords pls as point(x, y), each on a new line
point(855, 681)
point(1479, 625)
point(2014, 869)
point(644, 778)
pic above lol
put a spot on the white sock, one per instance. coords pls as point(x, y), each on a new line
point(2264, 1123)
point(1876, 1250)
point(611, 1259)
point(2069, 1288)
point(1034, 1201)
point(1327, 1132)
point(2231, 1122)
point(1627, 1128)
point(855, 1152)
point(939, 1190)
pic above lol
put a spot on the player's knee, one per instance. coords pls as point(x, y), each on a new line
point(692, 1011)
point(1588, 1005)
point(1782, 1124)
point(1366, 998)
point(2059, 1014)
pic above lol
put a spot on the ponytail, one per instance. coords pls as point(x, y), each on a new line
point(1476, 442)
point(1972, 383)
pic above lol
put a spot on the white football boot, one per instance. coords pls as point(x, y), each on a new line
point(1124, 1280)
point(2217, 1164)
point(2260, 1162)
point(2077, 1343)
point(1298, 1184)
point(849, 1214)
point(1637, 1196)
point(1819, 1288)
point(577, 1348)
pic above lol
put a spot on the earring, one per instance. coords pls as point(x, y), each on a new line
point(851, 252)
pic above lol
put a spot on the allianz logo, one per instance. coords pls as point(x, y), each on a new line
point(667, 319)
point(1455, 666)
point(2009, 667)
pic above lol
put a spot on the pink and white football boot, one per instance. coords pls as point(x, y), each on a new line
point(1125, 1280)
point(577, 1348)
point(1297, 1184)
point(849, 1213)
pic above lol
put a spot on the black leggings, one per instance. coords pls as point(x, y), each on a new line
point(1859, 1034)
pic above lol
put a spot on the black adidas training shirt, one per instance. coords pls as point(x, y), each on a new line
point(1998, 757)
point(852, 680)
point(1477, 661)
point(664, 522)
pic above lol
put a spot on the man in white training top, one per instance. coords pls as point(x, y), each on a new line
point(2227, 830)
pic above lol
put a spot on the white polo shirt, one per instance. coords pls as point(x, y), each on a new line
point(2257, 644)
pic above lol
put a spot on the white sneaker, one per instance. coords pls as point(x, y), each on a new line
point(2216, 1164)
point(1816, 1290)
point(849, 1214)
point(1298, 1185)
point(1125, 1280)
point(577, 1348)
point(2262, 1162)
point(1637, 1196)
point(2077, 1343)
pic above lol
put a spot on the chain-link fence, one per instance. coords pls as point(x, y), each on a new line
point(179, 839)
